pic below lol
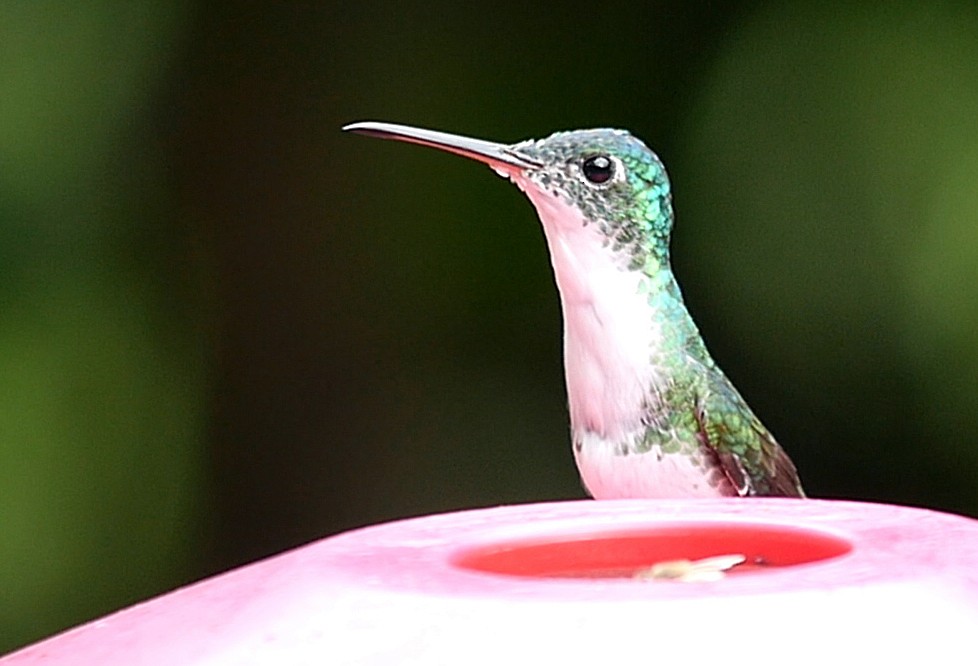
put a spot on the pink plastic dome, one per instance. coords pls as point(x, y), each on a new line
point(556, 583)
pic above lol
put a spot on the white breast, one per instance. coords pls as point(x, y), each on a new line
point(608, 475)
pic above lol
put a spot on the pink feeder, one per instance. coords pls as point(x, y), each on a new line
point(569, 583)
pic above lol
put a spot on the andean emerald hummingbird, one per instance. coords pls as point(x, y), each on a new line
point(651, 413)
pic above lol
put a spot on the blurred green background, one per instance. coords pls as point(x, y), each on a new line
point(226, 328)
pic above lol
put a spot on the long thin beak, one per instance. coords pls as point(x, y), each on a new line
point(493, 154)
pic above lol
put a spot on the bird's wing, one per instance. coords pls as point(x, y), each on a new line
point(748, 454)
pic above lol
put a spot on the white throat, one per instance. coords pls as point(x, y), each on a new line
point(610, 336)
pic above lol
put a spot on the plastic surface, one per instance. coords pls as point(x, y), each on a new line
point(553, 583)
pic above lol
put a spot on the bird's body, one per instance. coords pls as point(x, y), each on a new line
point(651, 413)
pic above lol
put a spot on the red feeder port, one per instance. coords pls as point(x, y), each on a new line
point(624, 554)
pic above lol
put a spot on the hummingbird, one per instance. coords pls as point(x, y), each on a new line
point(651, 413)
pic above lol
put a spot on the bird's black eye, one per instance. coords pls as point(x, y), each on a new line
point(598, 169)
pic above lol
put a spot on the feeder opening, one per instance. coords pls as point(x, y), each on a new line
point(629, 554)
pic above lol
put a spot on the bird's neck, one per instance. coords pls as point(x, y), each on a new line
point(627, 333)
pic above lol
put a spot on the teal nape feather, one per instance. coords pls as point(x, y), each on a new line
point(651, 414)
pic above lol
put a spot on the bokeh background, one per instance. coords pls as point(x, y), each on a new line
point(226, 328)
